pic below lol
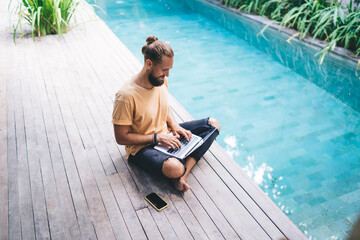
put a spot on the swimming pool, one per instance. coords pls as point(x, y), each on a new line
point(280, 119)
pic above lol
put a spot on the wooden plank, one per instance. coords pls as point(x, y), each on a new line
point(202, 217)
point(69, 140)
point(41, 223)
point(188, 217)
point(239, 193)
point(84, 107)
point(129, 64)
point(97, 209)
point(77, 193)
point(190, 212)
point(4, 197)
point(238, 197)
point(163, 223)
point(164, 189)
point(65, 225)
point(105, 200)
point(269, 208)
point(124, 56)
point(241, 221)
point(14, 230)
point(48, 98)
point(117, 221)
point(212, 209)
point(107, 133)
point(25, 200)
point(132, 222)
point(93, 101)
point(147, 222)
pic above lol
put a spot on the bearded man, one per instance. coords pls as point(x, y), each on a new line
point(142, 119)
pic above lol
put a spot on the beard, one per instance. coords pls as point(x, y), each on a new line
point(155, 81)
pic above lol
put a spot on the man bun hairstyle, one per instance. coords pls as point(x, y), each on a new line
point(155, 49)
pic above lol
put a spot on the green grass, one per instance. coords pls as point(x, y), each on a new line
point(320, 19)
point(45, 16)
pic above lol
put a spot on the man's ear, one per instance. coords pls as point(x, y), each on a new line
point(148, 64)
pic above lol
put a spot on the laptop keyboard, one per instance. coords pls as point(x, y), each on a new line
point(183, 142)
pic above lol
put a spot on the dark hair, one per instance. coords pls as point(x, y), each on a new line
point(155, 49)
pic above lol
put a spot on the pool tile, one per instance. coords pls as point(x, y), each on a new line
point(351, 197)
point(320, 232)
point(307, 197)
point(316, 201)
point(340, 225)
point(317, 176)
point(333, 203)
point(306, 135)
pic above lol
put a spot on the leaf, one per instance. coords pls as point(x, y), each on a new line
point(250, 7)
point(324, 17)
point(342, 14)
point(33, 18)
point(292, 37)
point(335, 16)
point(38, 22)
point(264, 28)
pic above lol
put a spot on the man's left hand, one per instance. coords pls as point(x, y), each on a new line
point(177, 131)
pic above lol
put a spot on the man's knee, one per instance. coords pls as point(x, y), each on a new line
point(213, 122)
point(173, 168)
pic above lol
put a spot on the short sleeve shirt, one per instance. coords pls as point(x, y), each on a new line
point(145, 110)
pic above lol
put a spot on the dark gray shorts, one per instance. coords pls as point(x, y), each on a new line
point(152, 160)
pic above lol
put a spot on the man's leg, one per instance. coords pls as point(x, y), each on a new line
point(213, 122)
point(174, 169)
point(159, 163)
point(180, 183)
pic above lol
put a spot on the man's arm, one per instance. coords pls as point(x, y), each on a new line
point(175, 127)
point(124, 137)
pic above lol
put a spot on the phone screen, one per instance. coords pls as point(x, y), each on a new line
point(157, 201)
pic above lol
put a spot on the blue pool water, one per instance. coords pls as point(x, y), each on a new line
point(280, 119)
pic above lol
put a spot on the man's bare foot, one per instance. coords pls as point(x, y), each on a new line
point(181, 185)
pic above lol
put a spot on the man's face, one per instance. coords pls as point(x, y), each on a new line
point(160, 71)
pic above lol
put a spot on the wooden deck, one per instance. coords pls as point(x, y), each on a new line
point(62, 175)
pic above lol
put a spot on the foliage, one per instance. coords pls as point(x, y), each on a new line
point(45, 16)
point(322, 19)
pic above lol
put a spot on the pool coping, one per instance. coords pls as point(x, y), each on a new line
point(314, 43)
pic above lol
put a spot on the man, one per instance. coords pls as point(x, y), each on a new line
point(142, 119)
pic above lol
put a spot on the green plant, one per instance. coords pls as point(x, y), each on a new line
point(346, 33)
point(322, 19)
point(303, 18)
point(45, 16)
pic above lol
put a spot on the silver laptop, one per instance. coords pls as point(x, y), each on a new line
point(187, 147)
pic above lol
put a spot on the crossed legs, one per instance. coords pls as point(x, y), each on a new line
point(174, 169)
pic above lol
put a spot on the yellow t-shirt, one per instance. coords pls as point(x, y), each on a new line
point(144, 110)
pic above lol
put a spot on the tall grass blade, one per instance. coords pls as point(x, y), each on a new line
point(38, 20)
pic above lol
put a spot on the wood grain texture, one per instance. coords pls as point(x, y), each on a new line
point(62, 175)
point(4, 196)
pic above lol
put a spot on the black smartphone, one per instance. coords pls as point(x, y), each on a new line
point(156, 201)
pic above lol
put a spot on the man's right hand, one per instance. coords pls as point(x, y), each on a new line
point(169, 140)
